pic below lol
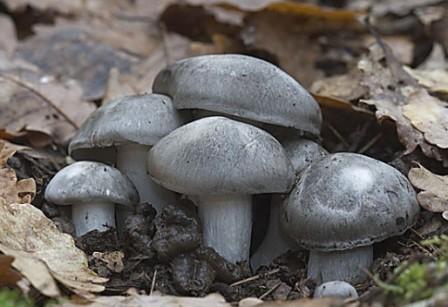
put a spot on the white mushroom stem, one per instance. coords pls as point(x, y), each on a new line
point(93, 216)
point(274, 244)
point(227, 224)
point(348, 265)
point(131, 161)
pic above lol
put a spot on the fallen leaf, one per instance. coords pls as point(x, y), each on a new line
point(90, 60)
point(434, 194)
point(154, 300)
point(113, 260)
point(42, 253)
point(8, 35)
point(13, 190)
point(8, 276)
point(37, 104)
point(435, 80)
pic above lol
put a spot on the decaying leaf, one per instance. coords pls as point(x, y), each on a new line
point(13, 190)
point(155, 300)
point(34, 103)
point(434, 194)
point(8, 276)
point(42, 253)
point(435, 80)
point(113, 260)
point(89, 60)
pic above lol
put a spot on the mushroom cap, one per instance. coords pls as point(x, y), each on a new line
point(348, 200)
point(217, 156)
point(242, 86)
point(139, 119)
point(88, 181)
point(303, 152)
point(337, 288)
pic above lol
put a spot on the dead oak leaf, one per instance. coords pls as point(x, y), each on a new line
point(42, 253)
point(13, 190)
point(8, 276)
point(33, 103)
point(434, 194)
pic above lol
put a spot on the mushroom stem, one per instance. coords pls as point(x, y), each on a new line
point(227, 224)
point(274, 243)
point(93, 216)
point(348, 265)
point(131, 161)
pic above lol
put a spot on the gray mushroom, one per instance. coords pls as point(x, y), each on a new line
point(339, 289)
point(129, 125)
point(241, 86)
point(220, 163)
point(302, 153)
point(92, 189)
point(343, 204)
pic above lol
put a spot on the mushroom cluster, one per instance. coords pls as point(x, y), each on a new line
point(254, 131)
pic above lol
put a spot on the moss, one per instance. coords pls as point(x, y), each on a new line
point(420, 280)
point(13, 298)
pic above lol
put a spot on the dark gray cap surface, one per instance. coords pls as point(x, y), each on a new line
point(217, 155)
point(348, 200)
point(242, 86)
point(87, 181)
point(142, 119)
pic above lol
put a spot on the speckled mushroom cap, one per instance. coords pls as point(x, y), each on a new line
point(87, 181)
point(217, 155)
point(242, 86)
point(142, 119)
point(348, 200)
point(303, 152)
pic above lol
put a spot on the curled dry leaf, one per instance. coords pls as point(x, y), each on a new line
point(434, 194)
point(13, 190)
point(155, 300)
point(41, 106)
point(42, 253)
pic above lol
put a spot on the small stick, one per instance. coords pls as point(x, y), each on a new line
point(153, 283)
point(370, 143)
point(338, 135)
point(252, 278)
point(270, 290)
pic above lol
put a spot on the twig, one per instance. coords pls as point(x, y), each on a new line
point(153, 283)
point(255, 277)
point(338, 135)
point(370, 143)
point(270, 290)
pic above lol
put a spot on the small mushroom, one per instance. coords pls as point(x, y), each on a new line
point(301, 152)
point(129, 125)
point(339, 289)
point(220, 163)
point(92, 189)
point(240, 86)
point(343, 204)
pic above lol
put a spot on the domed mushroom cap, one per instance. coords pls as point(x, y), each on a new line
point(88, 181)
point(142, 119)
point(217, 155)
point(348, 200)
point(340, 289)
point(303, 152)
point(242, 86)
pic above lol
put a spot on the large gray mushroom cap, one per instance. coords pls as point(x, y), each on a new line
point(348, 200)
point(87, 181)
point(242, 86)
point(142, 119)
point(217, 155)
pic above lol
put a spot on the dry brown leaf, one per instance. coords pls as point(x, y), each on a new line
point(13, 190)
point(42, 253)
point(155, 300)
point(434, 194)
point(39, 104)
point(8, 276)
